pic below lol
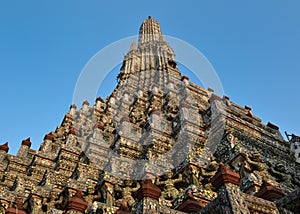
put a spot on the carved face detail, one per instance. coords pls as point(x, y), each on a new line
point(127, 183)
point(169, 175)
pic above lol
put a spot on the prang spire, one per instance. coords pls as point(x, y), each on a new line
point(151, 54)
point(150, 31)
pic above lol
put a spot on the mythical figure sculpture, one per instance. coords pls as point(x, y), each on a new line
point(127, 199)
point(281, 174)
point(253, 168)
point(193, 174)
point(107, 121)
point(232, 139)
point(90, 195)
point(255, 161)
point(171, 109)
point(169, 192)
point(107, 192)
point(208, 172)
point(138, 117)
point(296, 178)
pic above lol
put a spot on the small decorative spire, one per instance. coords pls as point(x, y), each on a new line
point(133, 46)
point(210, 90)
point(73, 106)
point(26, 142)
point(112, 99)
point(184, 78)
point(49, 136)
point(215, 97)
point(73, 109)
point(99, 99)
point(86, 103)
point(249, 112)
point(4, 147)
point(85, 106)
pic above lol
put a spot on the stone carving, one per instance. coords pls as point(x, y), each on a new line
point(193, 175)
point(253, 164)
point(170, 108)
point(107, 193)
point(137, 115)
point(208, 172)
point(255, 161)
point(126, 200)
point(279, 171)
point(169, 191)
point(296, 178)
point(91, 196)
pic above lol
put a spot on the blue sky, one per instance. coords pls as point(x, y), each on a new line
point(253, 46)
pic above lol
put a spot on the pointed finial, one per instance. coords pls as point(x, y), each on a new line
point(4, 147)
point(99, 99)
point(49, 137)
point(86, 103)
point(150, 31)
point(73, 106)
point(73, 109)
point(26, 142)
point(133, 46)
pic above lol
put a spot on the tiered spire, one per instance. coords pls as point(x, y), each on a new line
point(150, 31)
point(151, 54)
